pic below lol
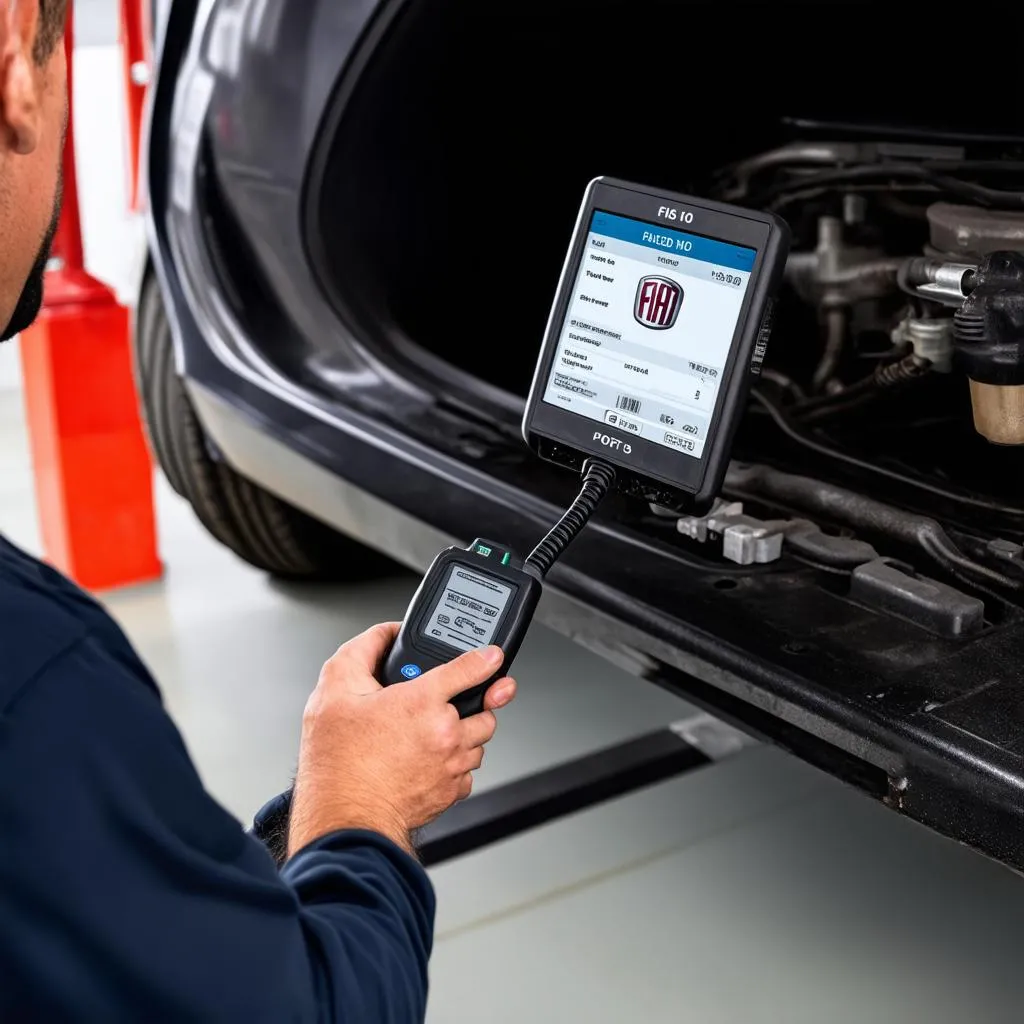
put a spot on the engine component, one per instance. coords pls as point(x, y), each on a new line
point(948, 283)
point(791, 174)
point(822, 154)
point(745, 540)
point(795, 432)
point(809, 540)
point(833, 278)
point(902, 371)
point(855, 209)
point(928, 603)
point(931, 339)
point(1006, 550)
point(998, 412)
point(989, 333)
point(875, 582)
point(698, 527)
point(970, 231)
point(884, 377)
point(862, 513)
point(836, 274)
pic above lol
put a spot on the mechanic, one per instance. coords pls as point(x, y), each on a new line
point(126, 892)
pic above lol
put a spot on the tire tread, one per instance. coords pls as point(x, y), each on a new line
point(258, 526)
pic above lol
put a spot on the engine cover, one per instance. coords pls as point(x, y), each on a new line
point(973, 231)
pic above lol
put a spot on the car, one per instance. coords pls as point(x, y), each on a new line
point(357, 214)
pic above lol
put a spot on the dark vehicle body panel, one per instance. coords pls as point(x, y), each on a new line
point(309, 399)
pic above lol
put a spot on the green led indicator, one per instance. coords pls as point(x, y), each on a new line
point(483, 549)
point(508, 555)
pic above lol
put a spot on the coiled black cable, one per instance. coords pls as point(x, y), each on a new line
point(597, 479)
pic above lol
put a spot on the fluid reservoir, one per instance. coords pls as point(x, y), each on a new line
point(989, 333)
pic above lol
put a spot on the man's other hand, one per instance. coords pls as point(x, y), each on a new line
point(389, 759)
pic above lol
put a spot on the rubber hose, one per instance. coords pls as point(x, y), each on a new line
point(795, 433)
point(885, 377)
point(835, 338)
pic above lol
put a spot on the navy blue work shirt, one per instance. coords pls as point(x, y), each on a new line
point(128, 894)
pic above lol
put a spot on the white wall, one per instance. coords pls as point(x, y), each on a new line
point(10, 366)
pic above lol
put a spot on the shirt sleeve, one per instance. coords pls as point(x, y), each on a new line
point(271, 824)
point(128, 894)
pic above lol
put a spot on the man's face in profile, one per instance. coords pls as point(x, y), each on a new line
point(33, 124)
point(31, 298)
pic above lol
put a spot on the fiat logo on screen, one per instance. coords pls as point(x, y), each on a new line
point(657, 302)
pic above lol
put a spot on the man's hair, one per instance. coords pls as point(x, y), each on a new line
point(52, 15)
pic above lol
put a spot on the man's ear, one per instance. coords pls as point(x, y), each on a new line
point(20, 78)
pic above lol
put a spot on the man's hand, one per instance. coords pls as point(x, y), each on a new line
point(389, 759)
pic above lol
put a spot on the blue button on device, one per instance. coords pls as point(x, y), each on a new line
point(411, 671)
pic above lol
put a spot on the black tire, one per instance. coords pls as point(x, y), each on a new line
point(259, 527)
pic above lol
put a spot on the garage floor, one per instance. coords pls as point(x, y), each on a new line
point(752, 891)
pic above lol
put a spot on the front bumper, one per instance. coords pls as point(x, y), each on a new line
point(912, 725)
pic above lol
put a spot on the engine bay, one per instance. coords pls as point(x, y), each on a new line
point(883, 444)
point(890, 406)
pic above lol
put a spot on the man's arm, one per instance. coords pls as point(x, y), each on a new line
point(127, 893)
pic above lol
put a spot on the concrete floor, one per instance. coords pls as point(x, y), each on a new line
point(755, 890)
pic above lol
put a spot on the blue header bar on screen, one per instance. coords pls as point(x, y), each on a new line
point(679, 243)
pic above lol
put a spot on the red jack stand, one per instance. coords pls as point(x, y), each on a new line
point(94, 477)
point(137, 61)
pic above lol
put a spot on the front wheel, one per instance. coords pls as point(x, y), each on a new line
point(258, 526)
